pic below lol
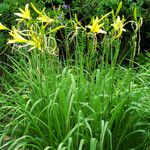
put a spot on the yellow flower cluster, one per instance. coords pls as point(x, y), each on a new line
point(31, 38)
point(34, 39)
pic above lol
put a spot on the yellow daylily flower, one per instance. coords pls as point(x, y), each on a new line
point(25, 14)
point(96, 26)
point(45, 18)
point(2, 27)
point(17, 37)
point(118, 26)
point(35, 42)
point(42, 15)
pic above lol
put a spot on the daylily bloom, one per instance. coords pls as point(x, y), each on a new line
point(2, 27)
point(35, 42)
point(42, 15)
point(118, 26)
point(96, 26)
point(17, 37)
point(25, 14)
point(44, 18)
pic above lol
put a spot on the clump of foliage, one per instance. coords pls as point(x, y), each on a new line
point(53, 108)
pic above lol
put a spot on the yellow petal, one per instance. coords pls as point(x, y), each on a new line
point(18, 14)
point(2, 27)
point(21, 10)
point(124, 30)
point(27, 7)
point(102, 31)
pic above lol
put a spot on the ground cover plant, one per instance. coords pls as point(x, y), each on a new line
point(81, 99)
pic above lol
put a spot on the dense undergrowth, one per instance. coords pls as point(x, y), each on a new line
point(85, 100)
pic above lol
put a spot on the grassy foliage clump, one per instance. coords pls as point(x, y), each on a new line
point(52, 108)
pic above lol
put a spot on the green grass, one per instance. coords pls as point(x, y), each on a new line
point(47, 107)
